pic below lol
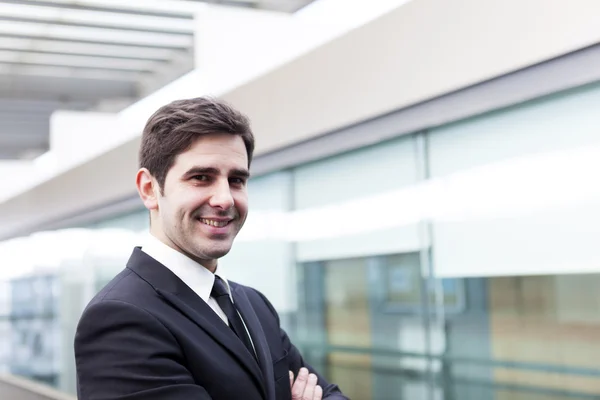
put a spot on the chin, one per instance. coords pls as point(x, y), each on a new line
point(217, 253)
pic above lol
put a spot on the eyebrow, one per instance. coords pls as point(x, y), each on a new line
point(241, 173)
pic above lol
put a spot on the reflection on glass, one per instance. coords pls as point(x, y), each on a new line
point(348, 324)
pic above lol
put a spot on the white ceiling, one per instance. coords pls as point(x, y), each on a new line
point(90, 54)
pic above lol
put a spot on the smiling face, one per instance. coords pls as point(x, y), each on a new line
point(204, 203)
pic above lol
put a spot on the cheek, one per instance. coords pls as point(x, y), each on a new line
point(178, 215)
point(189, 202)
point(241, 203)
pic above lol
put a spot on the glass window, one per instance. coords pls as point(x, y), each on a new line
point(521, 232)
point(363, 323)
point(360, 175)
point(135, 221)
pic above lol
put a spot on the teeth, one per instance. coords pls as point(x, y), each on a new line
point(218, 224)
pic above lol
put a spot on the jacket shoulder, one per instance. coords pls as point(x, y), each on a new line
point(126, 286)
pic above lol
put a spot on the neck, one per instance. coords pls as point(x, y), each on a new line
point(209, 264)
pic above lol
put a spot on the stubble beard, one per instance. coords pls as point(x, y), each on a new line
point(204, 248)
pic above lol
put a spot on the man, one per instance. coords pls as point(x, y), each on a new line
point(170, 325)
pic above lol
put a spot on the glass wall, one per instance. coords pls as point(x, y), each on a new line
point(5, 328)
point(458, 263)
point(34, 346)
point(466, 267)
point(44, 294)
point(523, 233)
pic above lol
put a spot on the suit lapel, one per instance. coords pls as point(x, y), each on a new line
point(258, 338)
point(180, 296)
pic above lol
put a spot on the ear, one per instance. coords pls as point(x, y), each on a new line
point(147, 188)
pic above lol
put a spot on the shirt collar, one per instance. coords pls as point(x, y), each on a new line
point(194, 275)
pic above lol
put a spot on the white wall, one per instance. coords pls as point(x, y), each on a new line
point(77, 136)
point(108, 177)
point(14, 176)
point(416, 52)
point(233, 46)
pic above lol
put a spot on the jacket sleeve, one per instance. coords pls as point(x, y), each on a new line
point(122, 352)
point(330, 390)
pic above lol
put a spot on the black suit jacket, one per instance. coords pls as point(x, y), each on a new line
point(148, 336)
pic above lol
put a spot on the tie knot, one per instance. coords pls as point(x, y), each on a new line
point(219, 289)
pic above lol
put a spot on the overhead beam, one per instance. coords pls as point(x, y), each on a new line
point(114, 8)
point(93, 41)
point(40, 50)
point(100, 25)
point(114, 36)
point(68, 72)
point(65, 46)
point(27, 63)
point(45, 13)
point(78, 61)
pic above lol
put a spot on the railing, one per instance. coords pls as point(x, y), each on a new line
point(445, 379)
point(17, 388)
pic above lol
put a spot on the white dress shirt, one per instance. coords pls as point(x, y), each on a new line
point(194, 275)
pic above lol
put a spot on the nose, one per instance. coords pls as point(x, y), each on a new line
point(221, 197)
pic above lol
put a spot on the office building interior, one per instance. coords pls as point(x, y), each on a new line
point(424, 199)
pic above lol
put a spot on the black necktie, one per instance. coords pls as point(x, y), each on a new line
point(220, 293)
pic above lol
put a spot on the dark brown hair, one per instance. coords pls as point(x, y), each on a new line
point(173, 129)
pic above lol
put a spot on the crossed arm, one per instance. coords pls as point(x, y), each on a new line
point(120, 354)
point(305, 382)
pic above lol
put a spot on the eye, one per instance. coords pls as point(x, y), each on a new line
point(237, 181)
point(200, 178)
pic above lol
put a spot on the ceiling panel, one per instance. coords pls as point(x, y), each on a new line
point(12, 70)
point(160, 8)
point(90, 54)
point(35, 58)
point(90, 49)
point(65, 16)
point(79, 54)
point(93, 34)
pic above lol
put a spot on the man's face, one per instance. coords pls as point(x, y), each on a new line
point(205, 201)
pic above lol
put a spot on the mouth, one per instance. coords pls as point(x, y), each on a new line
point(217, 223)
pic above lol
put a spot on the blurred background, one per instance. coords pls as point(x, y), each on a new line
point(425, 200)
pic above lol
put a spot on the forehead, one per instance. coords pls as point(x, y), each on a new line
point(223, 151)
